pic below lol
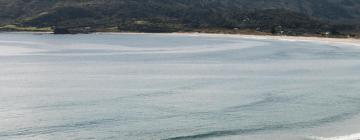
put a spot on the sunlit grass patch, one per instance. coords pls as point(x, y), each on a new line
point(20, 28)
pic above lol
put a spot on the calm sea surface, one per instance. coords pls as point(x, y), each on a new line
point(167, 86)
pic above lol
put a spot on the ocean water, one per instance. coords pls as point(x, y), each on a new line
point(174, 87)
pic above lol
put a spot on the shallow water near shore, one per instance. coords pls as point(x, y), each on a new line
point(167, 86)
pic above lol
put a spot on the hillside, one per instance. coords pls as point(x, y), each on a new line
point(288, 16)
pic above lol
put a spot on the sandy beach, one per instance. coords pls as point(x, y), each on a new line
point(347, 41)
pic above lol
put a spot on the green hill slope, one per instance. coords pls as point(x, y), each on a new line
point(288, 16)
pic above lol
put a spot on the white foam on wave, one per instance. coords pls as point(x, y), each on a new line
point(11, 50)
point(116, 49)
point(9, 47)
point(21, 42)
point(347, 137)
point(199, 48)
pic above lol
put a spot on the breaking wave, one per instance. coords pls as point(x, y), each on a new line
point(297, 125)
point(346, 137)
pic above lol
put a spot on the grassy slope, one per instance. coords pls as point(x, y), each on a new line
point(11, 27)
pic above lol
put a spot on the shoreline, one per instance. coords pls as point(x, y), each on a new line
point(325, 40)
point(349, 41)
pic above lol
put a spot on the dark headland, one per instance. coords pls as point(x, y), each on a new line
point(328, 18)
